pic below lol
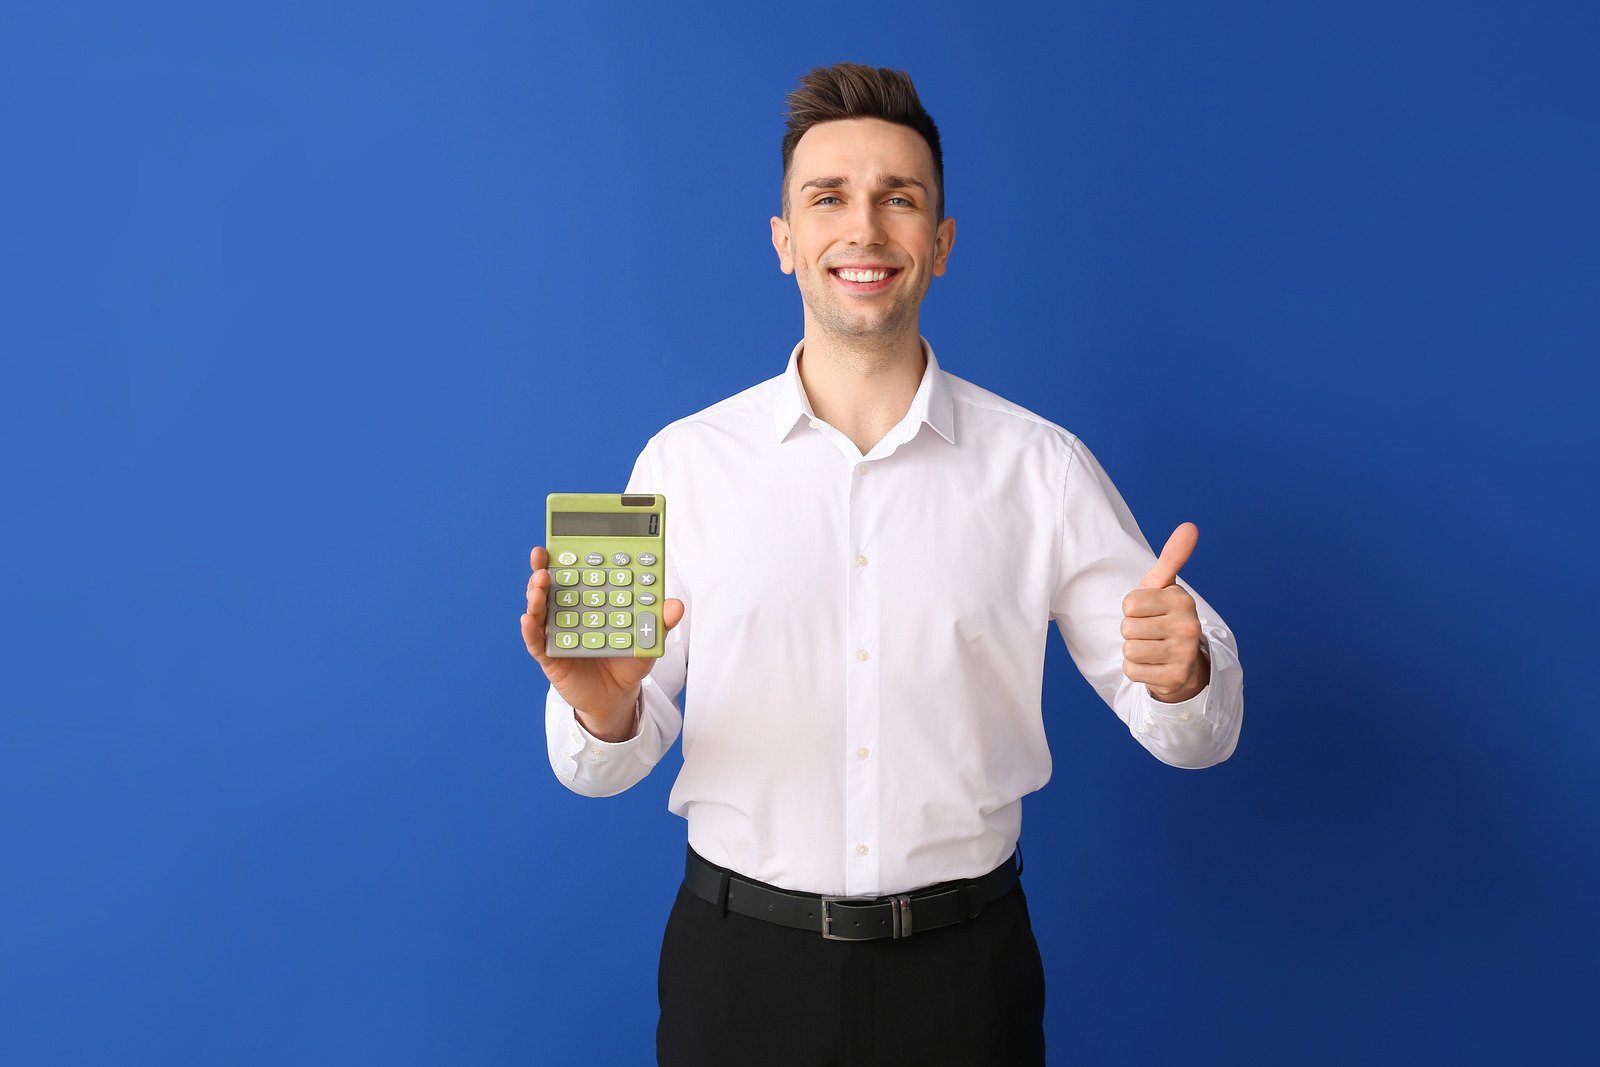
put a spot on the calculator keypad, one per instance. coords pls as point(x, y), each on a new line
point(598, 605)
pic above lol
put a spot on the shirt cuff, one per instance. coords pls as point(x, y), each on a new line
point(582, 745)
point(1184, 711)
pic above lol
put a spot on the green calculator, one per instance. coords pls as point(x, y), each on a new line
point(608, 570)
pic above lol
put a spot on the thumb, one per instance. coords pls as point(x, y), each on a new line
point(671, 612)
point(1179, 547)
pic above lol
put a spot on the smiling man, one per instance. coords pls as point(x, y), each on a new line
point(866, 557)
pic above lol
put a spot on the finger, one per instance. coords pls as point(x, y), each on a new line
point(533, 636)
point(1149, 603)
point(1150, 653)
point(539, 580)
point(1162, 678)
point(671, 612)
point(1176, 553)
point(538, 559)
point(1143, 628)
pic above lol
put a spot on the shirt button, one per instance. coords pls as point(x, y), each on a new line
point(1184, 717)
point(861, 561)
point(863, 752)
point(862, 655)
point(861, 468)
point(815, 425)
point(862, 850)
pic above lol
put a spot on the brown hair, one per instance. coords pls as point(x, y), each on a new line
point(853, 91)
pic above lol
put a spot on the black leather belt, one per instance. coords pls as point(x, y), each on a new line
point(851, 918)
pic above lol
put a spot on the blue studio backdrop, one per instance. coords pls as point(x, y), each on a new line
point(305, 307)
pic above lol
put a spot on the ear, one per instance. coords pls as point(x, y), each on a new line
point(780, 241)
point(944, 238)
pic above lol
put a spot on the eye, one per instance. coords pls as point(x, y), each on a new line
point(900, 200)
point(826, 199)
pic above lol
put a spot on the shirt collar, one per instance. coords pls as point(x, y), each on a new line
point(931, 404)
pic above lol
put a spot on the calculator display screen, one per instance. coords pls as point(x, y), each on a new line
point(604, 524)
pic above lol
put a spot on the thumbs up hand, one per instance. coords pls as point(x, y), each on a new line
point(1160, 628)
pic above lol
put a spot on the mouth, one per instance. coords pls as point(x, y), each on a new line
point(868, 279)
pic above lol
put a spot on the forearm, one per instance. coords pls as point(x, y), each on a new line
point(594, 766)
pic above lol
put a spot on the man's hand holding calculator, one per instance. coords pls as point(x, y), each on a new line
point(598, 622)
point(603, 691)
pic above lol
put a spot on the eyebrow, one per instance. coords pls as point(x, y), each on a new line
point(888, 181)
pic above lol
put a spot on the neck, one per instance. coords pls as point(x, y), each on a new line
point(861, 390)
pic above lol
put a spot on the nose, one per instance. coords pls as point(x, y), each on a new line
point(866, 224)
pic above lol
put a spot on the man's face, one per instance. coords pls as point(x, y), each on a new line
point(862, 237)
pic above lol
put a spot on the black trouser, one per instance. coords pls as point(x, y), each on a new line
point(736, 990)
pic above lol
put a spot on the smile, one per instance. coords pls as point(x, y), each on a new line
point(864, 280)
point(853, 274)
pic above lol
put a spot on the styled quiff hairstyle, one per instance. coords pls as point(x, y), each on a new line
point(853, 91)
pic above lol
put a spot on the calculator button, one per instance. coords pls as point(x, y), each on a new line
point(594, 639)
point(621, 598)
point(594, 559)
point(566, 577)
point(566, 619)
point(621, 577)
point(647, 598)
point(620, 640)
point(621, 620)
point(594, 577)
point(594, 598)
point(620, 559)
point(567, 598)
point(645, 631)
point(647, 578)
point(567, 640)
point(594, 619)
point(567, 559)
point(647, 559)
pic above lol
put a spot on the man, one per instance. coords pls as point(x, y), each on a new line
point(865, 554)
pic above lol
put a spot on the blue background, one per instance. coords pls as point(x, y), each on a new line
point(304, 311)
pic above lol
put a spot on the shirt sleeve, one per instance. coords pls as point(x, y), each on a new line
point(1103, 557)
point(584, 763)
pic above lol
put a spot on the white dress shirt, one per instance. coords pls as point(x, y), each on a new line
point(863, 636)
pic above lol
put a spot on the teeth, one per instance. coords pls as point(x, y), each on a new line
point(863, 275)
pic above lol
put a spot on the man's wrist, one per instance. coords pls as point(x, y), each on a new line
point(621, 725)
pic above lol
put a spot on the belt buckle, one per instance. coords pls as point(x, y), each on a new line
point(827, 917)
point(899, 916)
